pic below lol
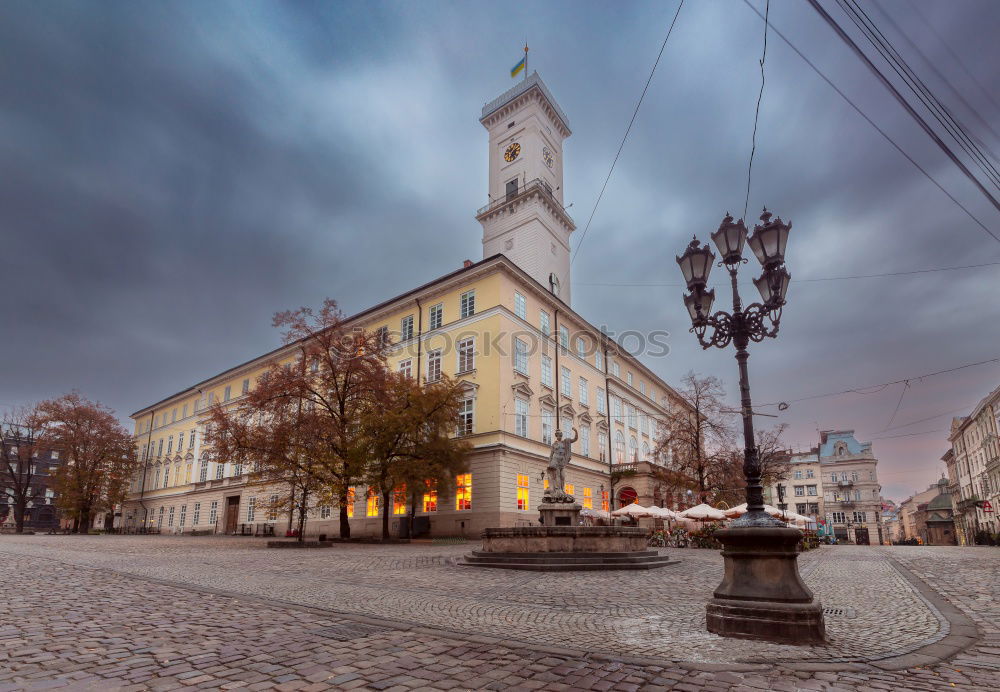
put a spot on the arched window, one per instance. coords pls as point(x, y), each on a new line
point(619, 448)
point(627, 496)
point(633, 449)
point(645, 451)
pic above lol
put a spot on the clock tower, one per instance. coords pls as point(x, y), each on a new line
point(525, 219)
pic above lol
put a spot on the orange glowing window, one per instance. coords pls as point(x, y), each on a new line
point(569, 488)
point(588, 498)
point(399, 500)
point(604, 501)
point(372, 505)
point(545, 484)
point(463, 491)
point(431, 497)
point(522, 491)
point(350, 502)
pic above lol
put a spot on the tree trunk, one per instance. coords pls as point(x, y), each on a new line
point(302, 515)
point(19, 509)
point(386, 496)
point(291, 510)
point(345, 523)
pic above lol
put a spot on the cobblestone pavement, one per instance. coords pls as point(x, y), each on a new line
point(163, 612)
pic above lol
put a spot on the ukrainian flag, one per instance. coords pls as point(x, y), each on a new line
point(514, 71)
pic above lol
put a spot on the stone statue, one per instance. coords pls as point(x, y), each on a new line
point(559, 457)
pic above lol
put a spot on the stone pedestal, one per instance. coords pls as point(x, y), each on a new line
point(559, 513)
point(761, 595)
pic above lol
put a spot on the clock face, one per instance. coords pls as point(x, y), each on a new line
point(547, 157)
point(512, 152)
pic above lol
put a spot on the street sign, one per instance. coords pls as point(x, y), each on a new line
point(987, 506)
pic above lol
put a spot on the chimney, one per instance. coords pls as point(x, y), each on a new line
point(466, 264)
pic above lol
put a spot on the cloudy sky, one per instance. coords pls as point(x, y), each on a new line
point(173, 173)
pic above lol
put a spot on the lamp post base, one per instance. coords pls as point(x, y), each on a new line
point(762, 595)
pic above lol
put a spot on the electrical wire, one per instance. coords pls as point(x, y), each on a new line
point(871, 122)
point(756, 115)
point(922, 432)
point(825, 278)
point(904, 103)
point(937, 110)
point(621, 146)
point(906, 385)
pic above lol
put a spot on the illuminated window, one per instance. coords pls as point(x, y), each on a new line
point(522, 491)
point(604, 501)
point(545, 484)
point(350, 502)
point(431, 497)
point(569, 488)
point(372, 508)
point(463, 491)
point(588, 498)
point(399, 500)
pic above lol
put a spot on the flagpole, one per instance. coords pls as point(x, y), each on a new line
point(526, 59)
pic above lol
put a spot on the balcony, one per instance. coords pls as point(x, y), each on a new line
point(845, 484)
point(846, 502)
point(538, 186)
point(968, 503)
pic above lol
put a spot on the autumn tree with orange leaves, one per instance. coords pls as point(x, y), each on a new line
point(98, 451)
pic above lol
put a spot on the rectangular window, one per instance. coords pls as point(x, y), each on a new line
point(196, 515)
point(166, 476)
point(800, 491)
point(184, 411)
point(170, 517)
point(547, 371)
point(602, 445)
point(588, 498)
point(521, 356)
point(251, 509)
point(465, 417)
point(511, 188)
point(605, 504)
point(833, 477)
point(642, 388)
point(643, 423)
point(564, 336)
point(600, 400)
point(628, 377)
point(565, 383)
point(520, 306)
point(598, 361)
point(581, 347)
point(811, 490)
point(430, 503)
point(434, 366)
point(569, 488)
point(810, 473)
point(543, 323)
point(173, 416)
point(521, 417)
point(798, 474)
point(616, 369)
point(857, 495)
point(371, 508)
point(170, 445)
point(468, 304)
point(399, 501)
point(272, 508)
point(801, 508)
point(859, 517)
point(406, 368)
point(203, 471)
point(382, 336)
point(854, 476)
point(522, 492)
point(616, 408)
point(227, 394)
point(220, 470)
point(631, 416)
point(839, 518)
point(237, 470)
point(463, 491)
point(159, 519)
point(325, 511)
point(466, 355)
point(180, 442)
point(437, 316)
point(585, 441)
point(547, 427)
point(184, 509)
point(350, 502)
point(245, 389)
point(406, 328)
point(213, 513)
point(584, 399)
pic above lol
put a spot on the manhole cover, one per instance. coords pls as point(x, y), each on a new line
point(839, 612)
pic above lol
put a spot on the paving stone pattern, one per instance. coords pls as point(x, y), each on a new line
point(109, 612)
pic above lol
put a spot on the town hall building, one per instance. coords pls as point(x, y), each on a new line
point(552, 369)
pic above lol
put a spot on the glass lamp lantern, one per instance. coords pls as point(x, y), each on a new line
point(696, 264)
point(772, 285)
point(702, 300)
point(769, 240)
point(730, 239)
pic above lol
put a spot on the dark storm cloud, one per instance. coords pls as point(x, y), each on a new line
point(174, 173)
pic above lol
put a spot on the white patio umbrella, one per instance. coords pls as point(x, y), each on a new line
point(633, 510)
point(595, 513)
point(703, 512)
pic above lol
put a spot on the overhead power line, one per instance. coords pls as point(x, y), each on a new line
point(873, 123)
point(904, 103)
point(756, 115)
point(938, 110)
point(820, 278)
point(628, 129)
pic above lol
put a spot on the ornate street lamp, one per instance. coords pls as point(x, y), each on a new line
point(761, 595)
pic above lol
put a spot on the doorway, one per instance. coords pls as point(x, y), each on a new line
point(861, 536)
point(232, 513)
